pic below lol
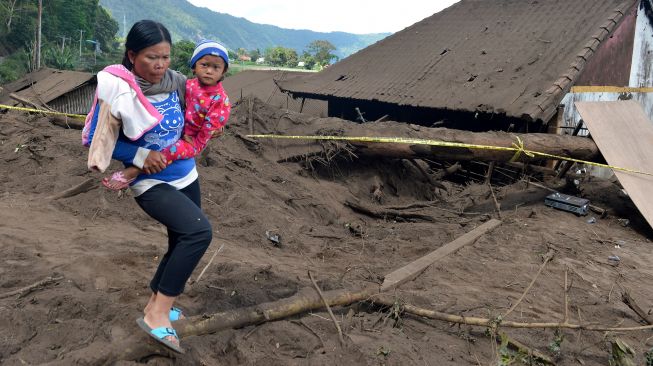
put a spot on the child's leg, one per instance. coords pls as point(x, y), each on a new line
point(121, 179)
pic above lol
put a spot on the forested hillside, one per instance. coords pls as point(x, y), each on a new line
point(187, 21)
point(85, 35)
point(67, 26)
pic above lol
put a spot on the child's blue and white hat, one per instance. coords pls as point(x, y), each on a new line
point(208, 47)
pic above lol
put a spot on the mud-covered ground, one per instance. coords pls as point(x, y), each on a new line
point(102, 249)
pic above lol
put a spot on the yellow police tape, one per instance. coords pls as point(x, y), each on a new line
point(2, 106)
point(517, 147)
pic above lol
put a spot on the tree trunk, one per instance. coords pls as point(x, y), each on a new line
point(10, 13)
point(563, 145)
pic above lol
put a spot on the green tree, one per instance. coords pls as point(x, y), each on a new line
point(321, 52)
point(281, 56)
point(180, 55)
point(62, 19)
point(8, 10)
point(255, 54)
point(309, 60)
point(22, 29)
point(105, 28)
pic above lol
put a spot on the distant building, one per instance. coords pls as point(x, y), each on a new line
point(301, 64)
point(244, 58)
point(61, 90)
point(260, 60)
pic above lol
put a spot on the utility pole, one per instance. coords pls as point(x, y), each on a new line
point(63, 42)
point(38, 38)
point(81, 32)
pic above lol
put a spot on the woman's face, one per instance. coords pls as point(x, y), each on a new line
point(152, 62)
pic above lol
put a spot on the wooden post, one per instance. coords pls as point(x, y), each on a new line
point(38, 37)
point(568, 164)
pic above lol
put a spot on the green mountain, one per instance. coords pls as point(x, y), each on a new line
point(187, 21)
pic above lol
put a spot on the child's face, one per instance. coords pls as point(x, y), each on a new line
point(209, 69)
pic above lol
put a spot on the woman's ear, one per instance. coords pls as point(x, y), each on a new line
point(131, 55)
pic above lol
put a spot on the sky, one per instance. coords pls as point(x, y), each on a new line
point(351, 16)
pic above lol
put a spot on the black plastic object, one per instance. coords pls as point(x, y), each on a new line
point(579, 206)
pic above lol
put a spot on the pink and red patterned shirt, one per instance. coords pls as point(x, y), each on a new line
point(207, 110)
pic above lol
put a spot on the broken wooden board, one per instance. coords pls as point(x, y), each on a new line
point(623, 132)
point(413, 269)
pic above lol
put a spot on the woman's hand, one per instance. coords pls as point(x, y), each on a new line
point(154, 163)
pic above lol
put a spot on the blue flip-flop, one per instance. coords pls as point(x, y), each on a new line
point(175, 314)
point(160, 334)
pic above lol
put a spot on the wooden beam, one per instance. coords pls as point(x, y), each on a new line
point(26, 102)
point(413, 269)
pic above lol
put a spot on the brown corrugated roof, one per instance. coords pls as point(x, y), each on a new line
point(44, 85)
point(261, 84)
point(516, 57)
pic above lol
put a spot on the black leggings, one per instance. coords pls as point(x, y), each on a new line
point(189, 233)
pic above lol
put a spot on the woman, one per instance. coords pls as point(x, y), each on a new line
point(135, 117)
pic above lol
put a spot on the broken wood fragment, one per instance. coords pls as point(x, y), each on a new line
point(85, 186)
point(28, 103)
point(520, 347)
point(413, 269)
point(326, 304)
point(630, 302)
point(486, 322)
point(546, 259)
point(27, 289)
point(387, 214)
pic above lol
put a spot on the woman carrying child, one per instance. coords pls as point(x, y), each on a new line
point(138, 119)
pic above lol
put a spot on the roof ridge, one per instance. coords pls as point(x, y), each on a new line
point(545, 109)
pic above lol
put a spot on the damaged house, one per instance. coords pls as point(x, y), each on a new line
point(51, 89)
point(495, 65)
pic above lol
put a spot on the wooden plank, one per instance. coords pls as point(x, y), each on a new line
point(413, 269)
point(623, 132)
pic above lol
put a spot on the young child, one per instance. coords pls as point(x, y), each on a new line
point(207, 110)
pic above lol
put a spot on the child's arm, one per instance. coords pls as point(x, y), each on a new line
point(215, 119)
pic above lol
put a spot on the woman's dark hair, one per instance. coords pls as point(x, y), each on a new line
point(144, 33)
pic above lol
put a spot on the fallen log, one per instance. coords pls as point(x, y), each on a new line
point(562, 145)
point(575, 147)
point(140, 345)
point(66, 122)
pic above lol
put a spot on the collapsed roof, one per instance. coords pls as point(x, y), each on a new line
point(512, 57)
point(44, 85)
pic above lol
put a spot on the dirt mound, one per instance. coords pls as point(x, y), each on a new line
point(102, 249)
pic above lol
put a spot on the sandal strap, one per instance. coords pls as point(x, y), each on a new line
point(175, 314)
point(163, 332)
